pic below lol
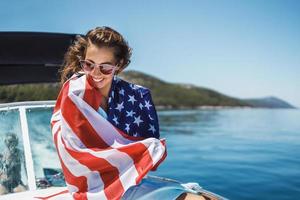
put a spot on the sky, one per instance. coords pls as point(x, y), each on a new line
point(241, 48)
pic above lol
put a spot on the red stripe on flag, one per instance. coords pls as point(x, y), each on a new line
point(58, 101)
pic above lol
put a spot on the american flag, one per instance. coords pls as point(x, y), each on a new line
point(131, 109)
point(101, 158)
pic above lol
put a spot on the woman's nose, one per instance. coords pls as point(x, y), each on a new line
point(96, 70)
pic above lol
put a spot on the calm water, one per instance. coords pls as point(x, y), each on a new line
point(238, 153)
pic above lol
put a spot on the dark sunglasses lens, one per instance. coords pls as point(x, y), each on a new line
point(86, 65)
point(106, 69)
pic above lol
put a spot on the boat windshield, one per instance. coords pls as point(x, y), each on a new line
point(13, 175)
point(28, 158)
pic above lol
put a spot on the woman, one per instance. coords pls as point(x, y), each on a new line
point(100, 55)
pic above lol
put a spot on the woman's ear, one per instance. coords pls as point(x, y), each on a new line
point(119, 70)
point(120, 66)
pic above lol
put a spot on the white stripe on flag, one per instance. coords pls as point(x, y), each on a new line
point(77, 169)
point(55, 116)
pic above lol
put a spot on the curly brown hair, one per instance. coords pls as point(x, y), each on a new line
point(101, 37)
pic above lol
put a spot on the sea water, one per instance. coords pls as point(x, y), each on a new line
point(237, 153)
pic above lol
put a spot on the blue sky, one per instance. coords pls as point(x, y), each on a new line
point(244, 49)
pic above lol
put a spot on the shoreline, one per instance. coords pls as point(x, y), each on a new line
point(208, 107)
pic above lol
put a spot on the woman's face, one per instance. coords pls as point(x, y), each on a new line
point(102, 55)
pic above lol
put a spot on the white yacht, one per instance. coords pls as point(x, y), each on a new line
point(29, 165)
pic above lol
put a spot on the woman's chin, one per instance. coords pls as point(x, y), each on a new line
point(99, 84)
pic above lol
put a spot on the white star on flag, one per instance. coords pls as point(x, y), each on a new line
point(120, 106)
point(127, 128)
point(137, 86)
point(131, 99)
point(121, 91)
point(130, 114)
point(137, 120)
point(147, 104)
point(115, 119)
point(134, 86)
point(151, 128)
point(141, 106)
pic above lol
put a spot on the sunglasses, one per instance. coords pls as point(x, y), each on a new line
point(105, 69)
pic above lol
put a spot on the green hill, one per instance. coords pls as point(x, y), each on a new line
point(28, 92)
point(173, 95)
point(164, 94)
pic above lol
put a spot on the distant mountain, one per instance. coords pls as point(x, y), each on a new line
point(165, 94)
point(269, 102)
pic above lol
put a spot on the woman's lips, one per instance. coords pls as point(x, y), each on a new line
point(97, 79)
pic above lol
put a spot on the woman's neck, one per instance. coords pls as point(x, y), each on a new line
point(104, 101)
point(104, 93)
